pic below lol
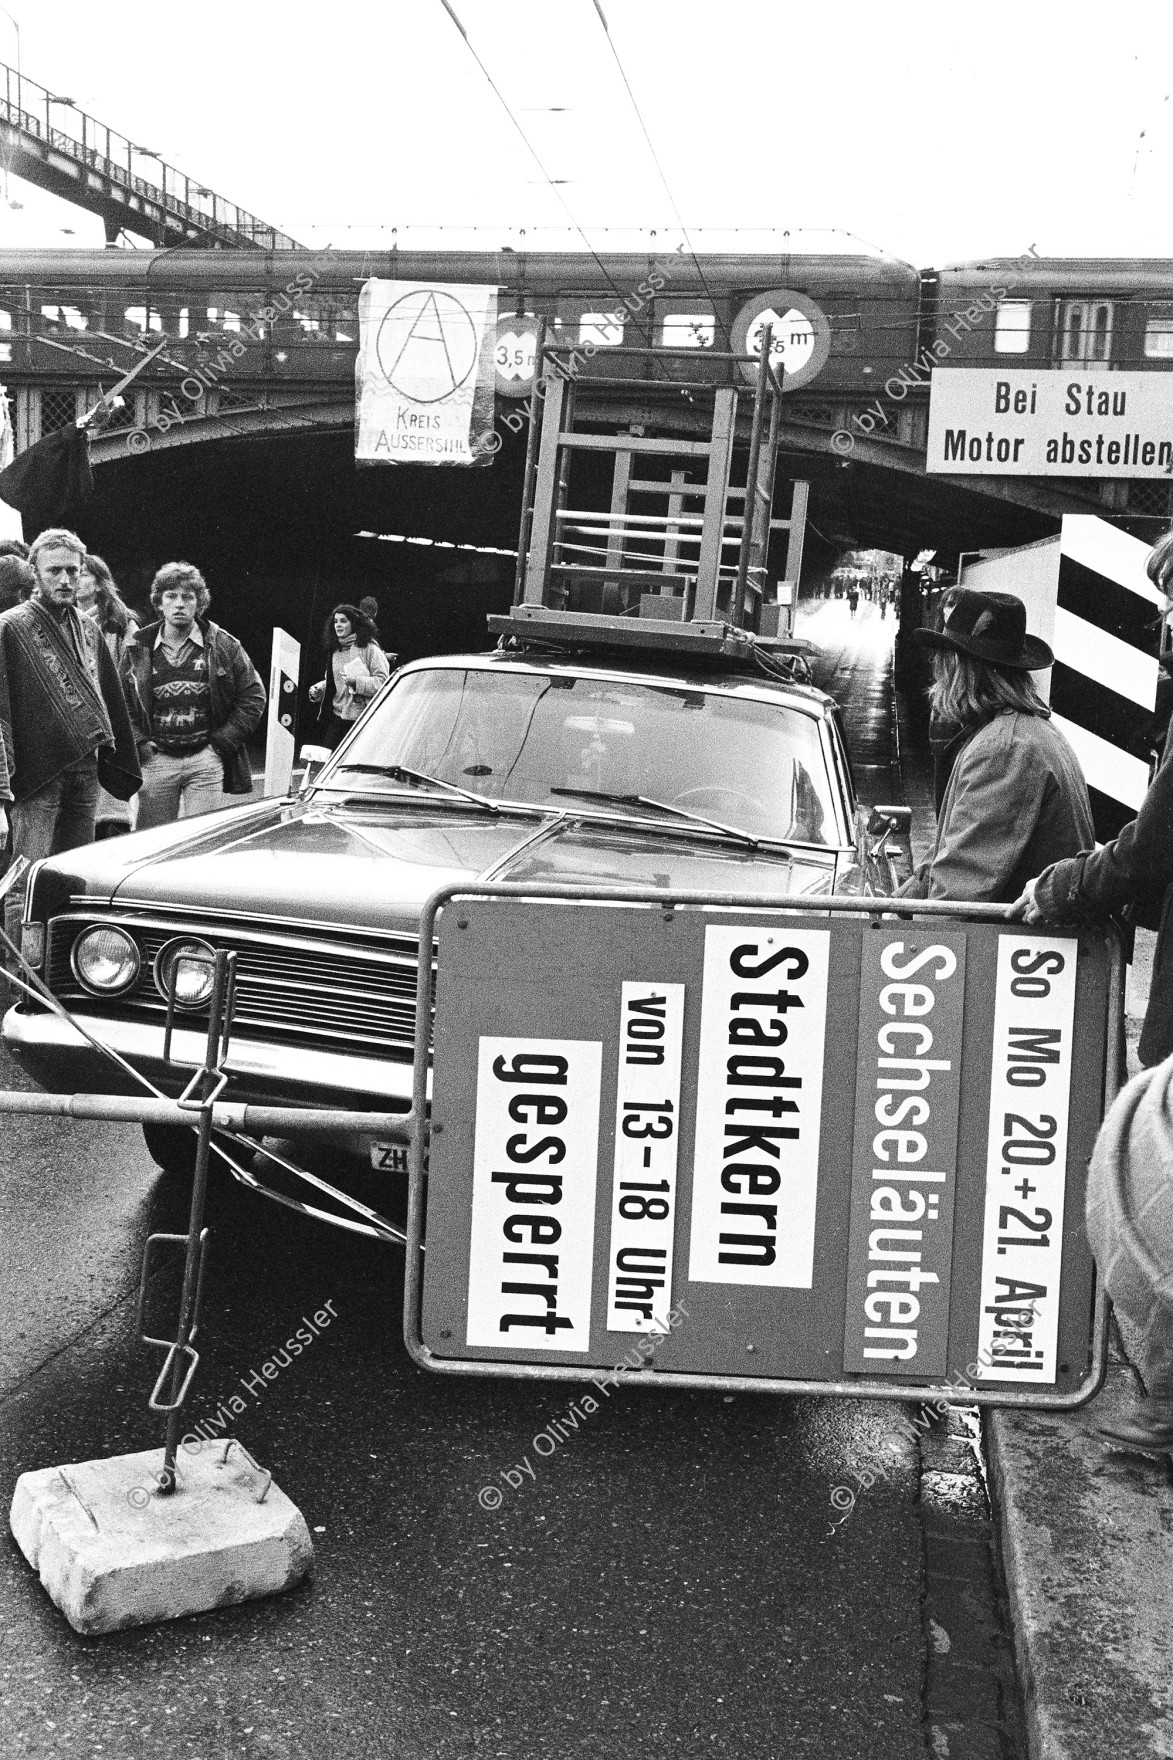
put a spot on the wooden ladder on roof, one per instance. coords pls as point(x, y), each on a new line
point(671, 556)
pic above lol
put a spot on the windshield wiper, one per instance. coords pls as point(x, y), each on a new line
point(643, 800)
point(401, 773)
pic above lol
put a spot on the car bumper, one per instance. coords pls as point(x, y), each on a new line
point(60, 1058)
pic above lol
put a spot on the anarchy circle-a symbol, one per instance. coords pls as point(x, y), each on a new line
point(427, 345)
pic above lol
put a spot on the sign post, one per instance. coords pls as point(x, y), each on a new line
point(850, 1147)
point(281, 732)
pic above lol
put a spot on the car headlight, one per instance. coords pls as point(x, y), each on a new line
point(106, 961)
point(195, 960)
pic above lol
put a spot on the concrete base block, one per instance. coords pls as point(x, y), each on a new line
point(112, 1553)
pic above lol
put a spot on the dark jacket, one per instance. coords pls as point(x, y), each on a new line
point(1136, 868)
point(54, 710)
point(1016, 800)
point(237, 696)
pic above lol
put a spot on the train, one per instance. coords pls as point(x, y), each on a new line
point(882, 314)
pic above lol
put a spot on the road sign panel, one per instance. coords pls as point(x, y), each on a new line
point(826, 1178)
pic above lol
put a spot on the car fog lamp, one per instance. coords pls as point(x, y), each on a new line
point(192, 964)
point(32, 944)
point(106, 961)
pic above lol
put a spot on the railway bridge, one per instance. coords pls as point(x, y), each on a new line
point(235, 446)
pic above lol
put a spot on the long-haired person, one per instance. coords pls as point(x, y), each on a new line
point(1016, 798)
point(356, 669)
point(99, 598)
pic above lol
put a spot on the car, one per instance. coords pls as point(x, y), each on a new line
point(528, 763)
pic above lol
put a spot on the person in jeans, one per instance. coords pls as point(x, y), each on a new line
point(194, 697)
point(63, 715)
point(357, 670)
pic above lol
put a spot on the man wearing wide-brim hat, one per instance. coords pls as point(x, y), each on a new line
point(1016, 799)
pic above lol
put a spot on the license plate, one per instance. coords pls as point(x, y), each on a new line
point(389, 1157)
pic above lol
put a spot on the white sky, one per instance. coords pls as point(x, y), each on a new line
point(935, 132)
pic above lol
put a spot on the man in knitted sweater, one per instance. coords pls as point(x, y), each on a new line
point(194, 697)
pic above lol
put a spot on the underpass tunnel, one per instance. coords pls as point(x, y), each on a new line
point(271, 522)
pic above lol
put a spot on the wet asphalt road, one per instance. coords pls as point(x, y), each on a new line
point(672, 1581)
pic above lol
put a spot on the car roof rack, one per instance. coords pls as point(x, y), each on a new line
point(676, 565)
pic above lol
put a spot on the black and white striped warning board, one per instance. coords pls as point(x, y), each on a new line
point(1104, 680)
point(1087, 595)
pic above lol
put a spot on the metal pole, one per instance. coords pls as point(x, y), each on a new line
point(531, 467)
point(224, 973)
point(749, 505)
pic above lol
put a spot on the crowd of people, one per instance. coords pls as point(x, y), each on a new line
point(109, 723)
point(101, 719)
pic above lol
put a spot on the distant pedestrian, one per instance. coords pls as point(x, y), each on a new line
point(14, 547)
point(369, 606)
point(357, 669)
point(1016, 797)
point(853, 599)
point(99, 598)
point(63, 716)
point(194, 696)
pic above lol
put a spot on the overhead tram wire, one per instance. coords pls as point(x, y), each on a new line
point(451, 11)
point(726, 342)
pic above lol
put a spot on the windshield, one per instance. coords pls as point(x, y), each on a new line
point(532, 737)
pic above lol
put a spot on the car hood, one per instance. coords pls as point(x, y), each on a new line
point(373, 866)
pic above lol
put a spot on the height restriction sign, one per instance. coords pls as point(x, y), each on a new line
point(803, 1150)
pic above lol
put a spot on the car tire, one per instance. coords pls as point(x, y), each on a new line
point(173, 1148)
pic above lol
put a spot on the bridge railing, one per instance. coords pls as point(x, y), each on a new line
point(29, 108)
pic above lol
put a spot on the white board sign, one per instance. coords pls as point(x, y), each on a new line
point(280, 733)
point(1015, 422)
point(759, 1105)
point(1026, 1166)
point(647, 1131)
point(426, 373)
point(535, 1154)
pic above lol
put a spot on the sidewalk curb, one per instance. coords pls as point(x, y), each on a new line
point(1086, 1536)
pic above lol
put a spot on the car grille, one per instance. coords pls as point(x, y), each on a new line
point(328, 993)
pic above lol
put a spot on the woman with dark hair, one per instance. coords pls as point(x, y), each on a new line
point(99, 598)
point(357, 669)
point(1016, 798)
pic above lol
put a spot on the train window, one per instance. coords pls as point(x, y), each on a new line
point(688, 330)
point(1085, 333)
point(1158, 331)
point(137, 317)
point(5, 319)
point(601, 328)
point(1012, 326)
point(67, 315)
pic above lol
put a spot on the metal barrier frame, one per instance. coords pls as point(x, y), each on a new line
point(828, 905)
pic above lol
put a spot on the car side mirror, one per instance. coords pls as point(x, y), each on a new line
point(313, 757)
point(889, 831)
